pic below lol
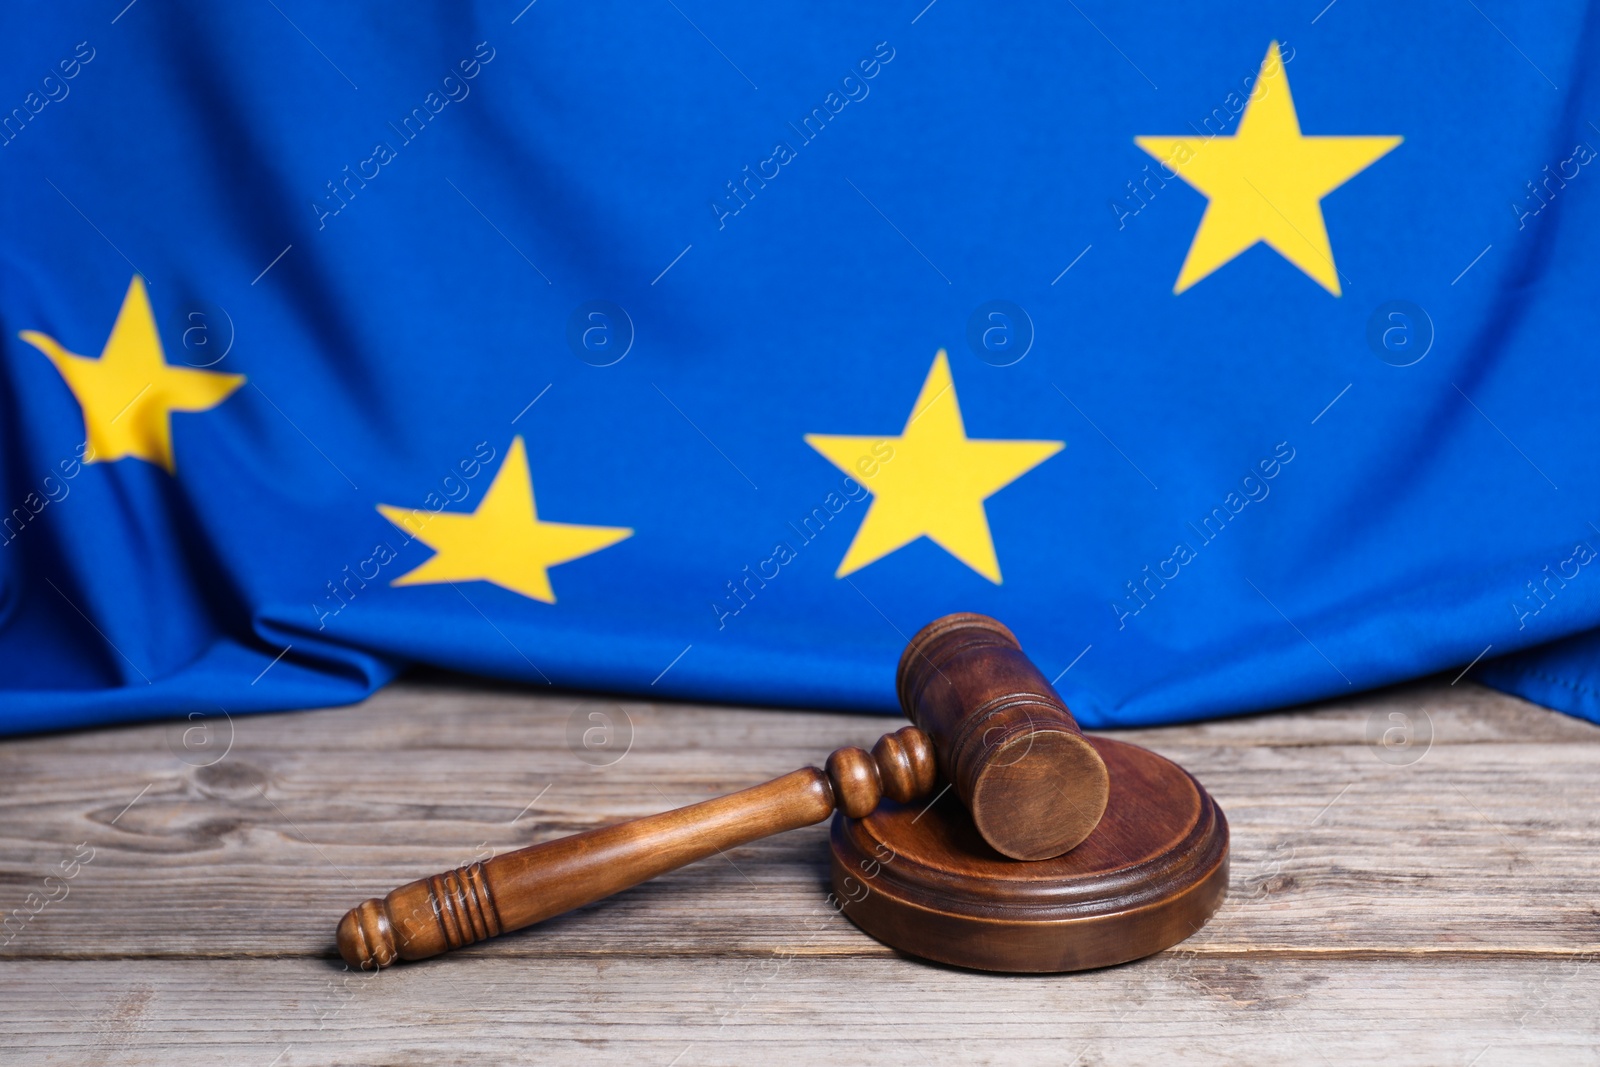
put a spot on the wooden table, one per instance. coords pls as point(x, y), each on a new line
point(1428, 903)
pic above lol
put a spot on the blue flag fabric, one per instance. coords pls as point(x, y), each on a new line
point(1233, 356)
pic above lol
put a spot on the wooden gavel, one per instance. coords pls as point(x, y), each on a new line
point(1002, 737)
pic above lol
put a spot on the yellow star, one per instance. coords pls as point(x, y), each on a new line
point(934, 482)
point(503, 541)
point(1265, 183)
point(128, 395)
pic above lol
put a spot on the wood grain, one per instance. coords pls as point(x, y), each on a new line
point(795, 1009)
point(528, 885)
point(921, 879)
point(1013, 754)
point(1425, 911)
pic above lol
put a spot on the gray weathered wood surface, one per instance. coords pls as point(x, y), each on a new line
point(1431, 904)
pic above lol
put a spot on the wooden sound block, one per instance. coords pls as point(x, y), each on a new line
point(924, 881)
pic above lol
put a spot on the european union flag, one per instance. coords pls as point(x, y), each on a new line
point(1233, 355)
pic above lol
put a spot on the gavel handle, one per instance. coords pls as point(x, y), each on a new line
point(468, 904)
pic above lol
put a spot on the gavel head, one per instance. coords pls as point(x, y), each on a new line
point(1004, 739)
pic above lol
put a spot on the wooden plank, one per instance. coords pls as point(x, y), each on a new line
point(782, 1010)
point(1428, 904)
point(1482, 846)
point(1462, 713)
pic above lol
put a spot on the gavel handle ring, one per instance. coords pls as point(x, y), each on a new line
point(433, 915)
